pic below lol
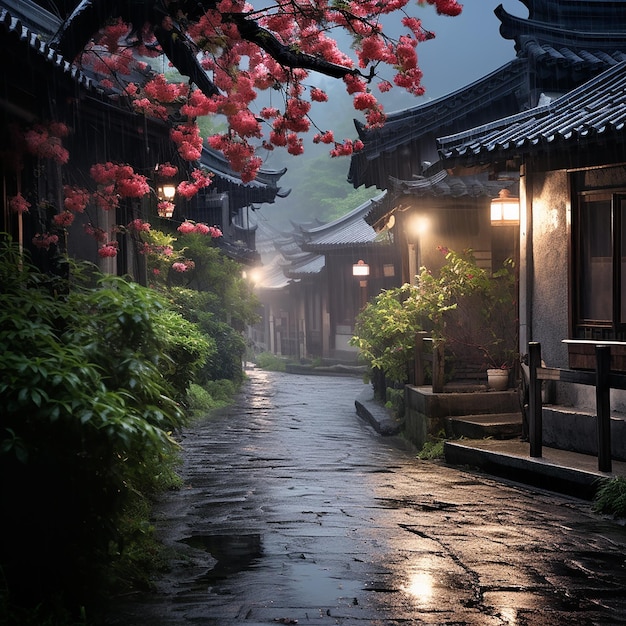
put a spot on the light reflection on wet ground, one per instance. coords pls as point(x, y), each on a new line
point(294, 509)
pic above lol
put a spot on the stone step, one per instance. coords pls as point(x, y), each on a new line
point(495, 426)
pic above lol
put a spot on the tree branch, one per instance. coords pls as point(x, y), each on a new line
point(286, 55)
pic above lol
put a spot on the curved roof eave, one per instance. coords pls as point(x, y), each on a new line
point(590, 113)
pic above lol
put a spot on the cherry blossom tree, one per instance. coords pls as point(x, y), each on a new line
point(230, 50)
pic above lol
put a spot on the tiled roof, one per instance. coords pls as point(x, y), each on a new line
point(300, 254)
point(351, 230)
point(594, 25)
point(263, 189)
point(577, 38)
point(588, 113)
point(561, 44)
point(14, 27)
point(311, 265)
point(473, 104)
point(444, 185)
point(272, 276)
point(439, 185)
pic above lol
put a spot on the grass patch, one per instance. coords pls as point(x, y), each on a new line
point(215, 394)
point(269, 361)
point(611, 497)
point(432, 450)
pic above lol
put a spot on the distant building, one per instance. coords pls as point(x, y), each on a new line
point(308, 289)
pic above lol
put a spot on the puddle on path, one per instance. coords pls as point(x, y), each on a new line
point(313, 585)
point(233, 553)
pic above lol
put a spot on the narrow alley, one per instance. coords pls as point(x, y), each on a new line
point(294, 510)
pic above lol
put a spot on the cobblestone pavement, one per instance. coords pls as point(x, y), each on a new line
point(296, 511)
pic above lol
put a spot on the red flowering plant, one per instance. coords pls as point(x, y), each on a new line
point(231, 50)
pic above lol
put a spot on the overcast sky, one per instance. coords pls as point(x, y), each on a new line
point(465, 48)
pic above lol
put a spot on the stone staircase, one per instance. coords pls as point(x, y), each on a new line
point(493, 426)
point(490, 425)
point(473, 413)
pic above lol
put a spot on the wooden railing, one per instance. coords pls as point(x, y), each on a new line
point(603, 379)
point(427, 352)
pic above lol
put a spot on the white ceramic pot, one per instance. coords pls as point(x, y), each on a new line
point(498, 379)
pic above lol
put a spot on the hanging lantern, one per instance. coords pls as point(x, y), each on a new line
point(505, 209)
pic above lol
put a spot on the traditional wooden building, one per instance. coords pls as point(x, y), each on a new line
point(320, 278)
point(571, 155)
point(559, 46)
point(42, 93)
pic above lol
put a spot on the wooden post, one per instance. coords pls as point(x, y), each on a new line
point(535, 414)
point(419, 358)
point(438, 366)
point(603, 407)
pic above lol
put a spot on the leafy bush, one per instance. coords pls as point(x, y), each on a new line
point(464, 307)
point(433, 448)
point(229, 346)
point(395, 401)
point(87, 412)
point(611, 497)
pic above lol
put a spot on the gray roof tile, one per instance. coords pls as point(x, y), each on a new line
point(596, 108)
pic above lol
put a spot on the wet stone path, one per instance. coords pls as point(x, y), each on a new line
point(296, 511)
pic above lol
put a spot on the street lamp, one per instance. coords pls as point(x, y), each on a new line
point(505, 209)
point(361, 270)
point(166, 193)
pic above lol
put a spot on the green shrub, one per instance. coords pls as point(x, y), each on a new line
point(229, 346)
point(86, 423)
point(269, 361)
point(395, 401)
point(214, 395)
point(611, 497)
point(465, 308)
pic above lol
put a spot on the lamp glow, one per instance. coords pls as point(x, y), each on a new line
point(361, 269)
point(505, 209)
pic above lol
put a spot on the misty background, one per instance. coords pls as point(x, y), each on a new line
point(465, 48)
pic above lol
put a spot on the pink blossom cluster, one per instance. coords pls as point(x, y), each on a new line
point(112, 33)
point(163, 91)
point(167, 170)
point(188, 227)
point(201, 179)
point(76, 198)
point(139, 226)
point(63, 219)
point(119, 63)
point(44, 240)
point(151, 248)
point(96, 232)
point(109, 249)
point(183, 266)
point(45, 141)
point(117, 181)
point(188, 140)
point(239, 67)
point(199, 105)
point(19, 204)
point(165, 207)
point(240, 154)
point(346, 148)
